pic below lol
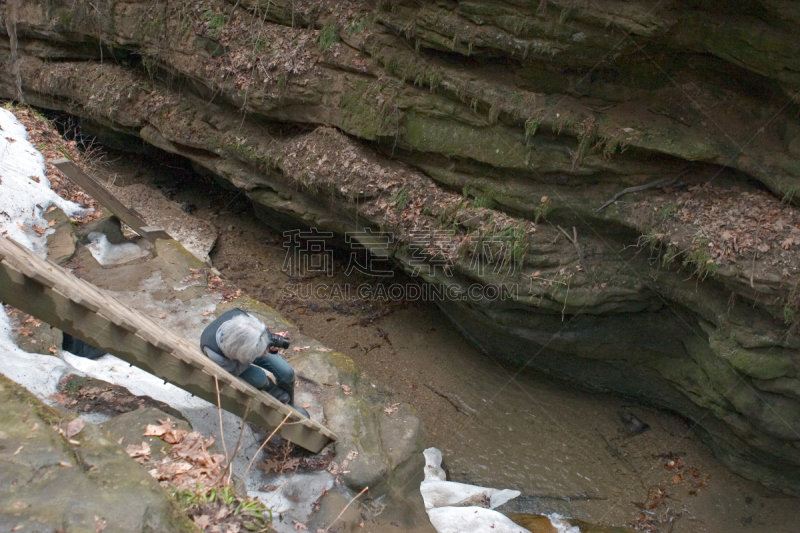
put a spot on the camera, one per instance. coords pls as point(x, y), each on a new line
point(279, 341)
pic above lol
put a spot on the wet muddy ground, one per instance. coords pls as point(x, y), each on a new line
point(566, 450)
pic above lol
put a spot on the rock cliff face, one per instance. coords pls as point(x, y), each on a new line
point(484, 136)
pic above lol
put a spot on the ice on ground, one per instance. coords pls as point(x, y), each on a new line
point(37, 373)
point(25, 192)
point(562, 525)
point(113, 254)
point(295, 496)
point(437, 493)
point(460, 508)
point(433, 465)
point(472, 520)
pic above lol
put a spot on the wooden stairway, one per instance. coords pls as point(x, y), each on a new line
point(52, 294)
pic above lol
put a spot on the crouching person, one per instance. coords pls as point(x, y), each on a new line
point(242, 345)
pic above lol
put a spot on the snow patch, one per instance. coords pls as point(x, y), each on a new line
point(459, 508)
point(472, 520)
point(561, 524)
point(38, 373)
point(25, 192)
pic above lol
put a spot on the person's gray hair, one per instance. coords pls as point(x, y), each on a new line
point(243, 338)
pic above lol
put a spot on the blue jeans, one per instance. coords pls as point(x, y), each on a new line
point(283, 390)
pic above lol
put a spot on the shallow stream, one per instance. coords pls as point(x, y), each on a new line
point(565, 449)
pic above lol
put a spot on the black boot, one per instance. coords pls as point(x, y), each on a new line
point(295, 406)
point(278, 393)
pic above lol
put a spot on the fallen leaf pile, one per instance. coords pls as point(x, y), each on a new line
point(196, 478)
point(735, 224)
point(21, 322)
point(189, 464)
point(85, 395)
point(438, 225)
point(286, 458)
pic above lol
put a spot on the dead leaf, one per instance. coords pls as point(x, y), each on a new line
point(162, 315)
point(140, 453)
point(53, 350)
point(39, 230)
point(20, 505)
point(300, 348)
point(154, 431)
point(298, 526)
point(347, 390)
point(787, 243)
point(206, 313)
point(64, 464)
point(391, 409)
point(59, 397)
point(74, 427)
point(202, 521)
point(270, 465)
point(170, 469)
point(99, 524)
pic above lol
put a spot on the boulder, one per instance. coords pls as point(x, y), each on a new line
point(82, 483)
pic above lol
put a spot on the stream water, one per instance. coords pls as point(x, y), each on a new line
point(564, 448)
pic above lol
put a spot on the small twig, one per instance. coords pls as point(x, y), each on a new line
point(755, 256)
point(661, 182)
point(229, 468)
point(446, 397)
point(581, 258)
point(357, 496)
point(219, 412)
point(252, 460)
point(620, 457)
point(578, 251)
point(599, 109)
point(233, 10)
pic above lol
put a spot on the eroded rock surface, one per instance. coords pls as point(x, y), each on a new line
point(459, 128)
point(105, 489)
